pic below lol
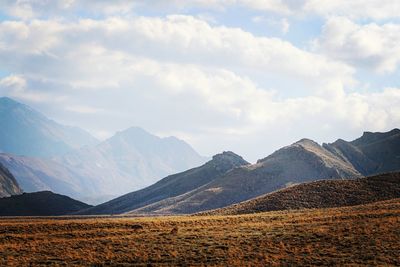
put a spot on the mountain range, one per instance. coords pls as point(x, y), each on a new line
point(130, 164)
point(44, 155)
point(303, 161)
point(321, 194)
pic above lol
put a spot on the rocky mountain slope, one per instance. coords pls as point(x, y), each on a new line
point(43, 203)
point(300, 162)
point(172, 185)
point(8, 184)
point(24, 131)
point(371, 153)
point(321, 194)
point(303, 161)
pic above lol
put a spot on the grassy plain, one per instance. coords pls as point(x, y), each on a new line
point(358, 235)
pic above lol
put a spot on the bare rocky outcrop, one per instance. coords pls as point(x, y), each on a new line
point(8, 185)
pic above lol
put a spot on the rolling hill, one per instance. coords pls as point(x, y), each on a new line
point(43, 203)
point(24, 131)
point(321, 194)
point(8, 185)
point(172, 185)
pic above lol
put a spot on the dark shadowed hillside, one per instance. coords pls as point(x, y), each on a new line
point(8, 184)
point(172, 185)
point(24, 131)
point(43, 203)
point(321, 194)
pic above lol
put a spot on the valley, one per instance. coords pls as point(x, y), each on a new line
point(359, 235)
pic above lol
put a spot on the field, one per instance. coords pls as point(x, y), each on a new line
point(359, 235)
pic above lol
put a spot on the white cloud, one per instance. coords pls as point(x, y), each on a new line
point(369, 46)
point(30, 9)
point(180, 39)
point(355, 9)
point(374, 9)
point(18, 86)
point(278, 6)
point(13, 82)
point(219, 87)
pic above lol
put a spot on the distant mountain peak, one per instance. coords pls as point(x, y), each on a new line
point(134, 130)
point(133, 133)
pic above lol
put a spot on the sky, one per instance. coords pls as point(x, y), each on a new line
point(248, 76)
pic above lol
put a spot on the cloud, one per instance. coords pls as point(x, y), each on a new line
point(13, 82)
point(355, 9)
point(177, 38)
point(19, 87)
point(218, 87)
point(31, 9)
point(370, 46)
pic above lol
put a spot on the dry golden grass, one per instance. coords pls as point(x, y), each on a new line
point(359, 235)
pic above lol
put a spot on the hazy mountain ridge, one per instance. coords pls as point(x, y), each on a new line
point(129, 160)
point(44, 203)
point(8, 184)
point(24, 131)
point(172, 185)
point(111, 168)
point(321, 194)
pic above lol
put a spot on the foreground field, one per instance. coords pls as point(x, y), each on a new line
point(359, 235)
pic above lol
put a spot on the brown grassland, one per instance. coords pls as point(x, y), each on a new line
point(358, 235)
